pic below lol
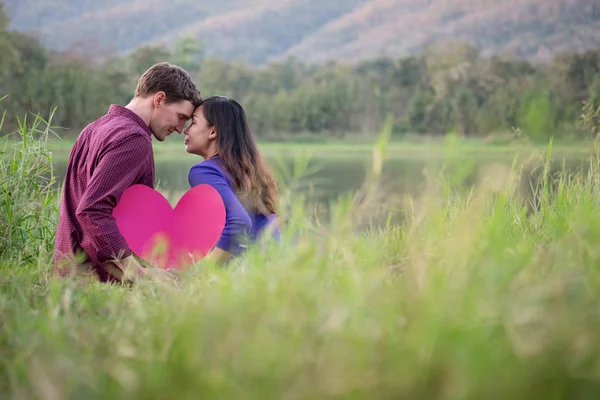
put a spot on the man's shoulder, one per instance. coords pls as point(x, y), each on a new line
point(119, 124)
point(111, 129)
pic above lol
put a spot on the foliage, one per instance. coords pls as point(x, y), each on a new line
point(590, 116)
point(538, 115)
point(450, 87)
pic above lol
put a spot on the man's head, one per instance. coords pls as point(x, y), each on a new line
point(169, 96)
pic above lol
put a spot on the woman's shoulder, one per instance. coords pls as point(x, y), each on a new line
point(211, 164)
point(210, 170)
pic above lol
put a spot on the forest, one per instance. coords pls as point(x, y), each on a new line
point(445, 88)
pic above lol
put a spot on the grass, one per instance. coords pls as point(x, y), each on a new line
point(474, 295)
point(27, 199)
point(173, 149)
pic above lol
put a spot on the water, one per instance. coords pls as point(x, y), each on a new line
point(328, 180)
point(334, 177)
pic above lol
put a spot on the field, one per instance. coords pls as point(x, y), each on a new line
point(475, 294)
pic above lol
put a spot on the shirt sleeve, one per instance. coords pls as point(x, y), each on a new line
point(121, 166)
point(237, 220)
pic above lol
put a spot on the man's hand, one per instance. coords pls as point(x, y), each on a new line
point(131, 271)
point(160, 275)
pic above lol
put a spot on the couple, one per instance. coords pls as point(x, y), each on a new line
point(115, 152)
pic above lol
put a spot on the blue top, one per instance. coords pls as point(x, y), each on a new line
point(241, 224)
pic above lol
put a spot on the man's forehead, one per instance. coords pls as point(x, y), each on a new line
point(185, 108)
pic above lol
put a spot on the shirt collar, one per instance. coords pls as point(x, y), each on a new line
point(116, 109)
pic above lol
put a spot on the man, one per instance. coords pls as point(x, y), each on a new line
point(111, 154)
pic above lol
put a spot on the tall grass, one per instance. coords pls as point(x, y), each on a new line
point(27, 195)
point(475, 295)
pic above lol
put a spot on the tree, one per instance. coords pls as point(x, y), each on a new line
point(590, 116)
point(146, 56)
point(27, 93)
point(10, 59)
point(420, 110)
point(539, 115)
point(188, 53)
point(464, 111)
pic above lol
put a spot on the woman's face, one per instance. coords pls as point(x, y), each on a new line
point(199, 136)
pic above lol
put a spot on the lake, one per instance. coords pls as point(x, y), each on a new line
point(337, 170)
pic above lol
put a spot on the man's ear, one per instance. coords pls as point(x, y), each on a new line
point(159, 99)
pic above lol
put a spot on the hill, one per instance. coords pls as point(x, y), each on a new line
point(259, 31)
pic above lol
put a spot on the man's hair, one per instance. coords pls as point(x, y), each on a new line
point(171, 79)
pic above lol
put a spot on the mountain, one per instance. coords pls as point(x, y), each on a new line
point(259, 31)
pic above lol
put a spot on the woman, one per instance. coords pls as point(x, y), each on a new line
point(220, 134)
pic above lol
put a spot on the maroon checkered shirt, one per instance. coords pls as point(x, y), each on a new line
point(111, 154)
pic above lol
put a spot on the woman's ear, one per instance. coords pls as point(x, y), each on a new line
point(213, 133)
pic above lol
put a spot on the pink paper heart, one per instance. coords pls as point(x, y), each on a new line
point(166, 237)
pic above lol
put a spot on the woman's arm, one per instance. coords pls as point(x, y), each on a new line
point(218, 255)
point(237, 220)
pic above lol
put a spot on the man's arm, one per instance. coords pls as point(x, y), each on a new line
point(119, 168)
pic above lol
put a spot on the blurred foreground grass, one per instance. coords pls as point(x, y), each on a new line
point(475, 295)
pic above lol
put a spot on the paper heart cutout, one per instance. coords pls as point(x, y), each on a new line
point(166, 237)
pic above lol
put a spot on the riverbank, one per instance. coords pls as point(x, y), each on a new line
point(173, 148)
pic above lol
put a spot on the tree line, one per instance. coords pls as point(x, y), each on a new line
point(450, 87)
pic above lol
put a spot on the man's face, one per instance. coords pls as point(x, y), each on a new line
point(171, 117)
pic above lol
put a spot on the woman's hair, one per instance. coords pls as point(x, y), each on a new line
point(237, 150)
